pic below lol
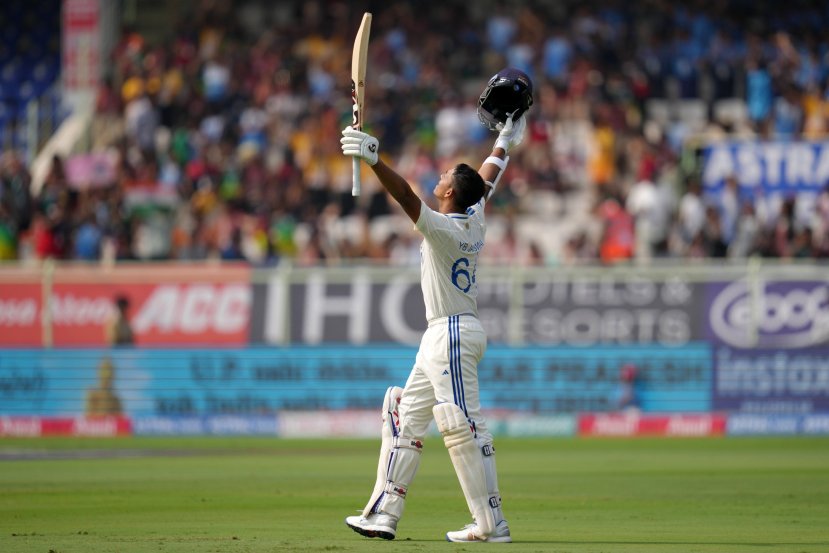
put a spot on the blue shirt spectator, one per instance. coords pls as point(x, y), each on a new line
point(758, 92)
point(557, 54)
point(88, 241)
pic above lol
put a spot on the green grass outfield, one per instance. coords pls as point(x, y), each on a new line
point(560, 495)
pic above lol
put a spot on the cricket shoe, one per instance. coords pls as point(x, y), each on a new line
point(470, 534)
point(375, 525)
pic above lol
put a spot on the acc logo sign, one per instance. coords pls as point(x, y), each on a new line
point(195, 309)
point(775, 315)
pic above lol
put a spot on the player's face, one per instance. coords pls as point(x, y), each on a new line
point(444, 183)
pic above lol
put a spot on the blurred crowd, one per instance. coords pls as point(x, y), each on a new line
point(223, 139)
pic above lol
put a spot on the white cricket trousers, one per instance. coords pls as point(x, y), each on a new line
point(445, 371)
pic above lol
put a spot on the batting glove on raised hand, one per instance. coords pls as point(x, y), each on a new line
point(511, 134)
point(359, 144)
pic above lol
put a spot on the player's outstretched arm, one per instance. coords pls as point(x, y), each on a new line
point(364, 146)
point(494, 166)
point(399, 189)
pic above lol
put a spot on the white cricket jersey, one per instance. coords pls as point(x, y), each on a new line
point(449, 259)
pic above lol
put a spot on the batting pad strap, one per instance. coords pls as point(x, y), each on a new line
point(396, 488)
point(405, 442)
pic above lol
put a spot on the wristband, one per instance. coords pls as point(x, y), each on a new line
point(501, 163)
point(502, 166)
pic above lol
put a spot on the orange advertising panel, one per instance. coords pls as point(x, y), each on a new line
point(160, 304)
point(170, 313)
point(20, 306)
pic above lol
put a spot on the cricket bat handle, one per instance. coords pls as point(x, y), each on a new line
point(355, 176)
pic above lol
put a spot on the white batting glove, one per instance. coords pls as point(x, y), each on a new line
point(359, 144)
point(512, 134)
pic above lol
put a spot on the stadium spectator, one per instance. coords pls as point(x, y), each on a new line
point(617, 240)
point(118, 329)
point(713, 236)
point(728, 204)
point(8, 236)
point(746, 234)
point(15, 194)
point(627, 395)
point(690, 217)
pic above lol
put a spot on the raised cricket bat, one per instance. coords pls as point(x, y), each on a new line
point(359, 60)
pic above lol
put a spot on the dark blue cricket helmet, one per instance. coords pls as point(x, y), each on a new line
point(510, 91)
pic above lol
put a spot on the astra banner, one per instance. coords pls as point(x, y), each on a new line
point(775, 167)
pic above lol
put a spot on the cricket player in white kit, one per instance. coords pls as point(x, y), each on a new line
point(443, 382)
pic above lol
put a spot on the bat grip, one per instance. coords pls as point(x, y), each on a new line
point(355, 176)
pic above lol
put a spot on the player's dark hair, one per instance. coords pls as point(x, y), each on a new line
point(468, 185)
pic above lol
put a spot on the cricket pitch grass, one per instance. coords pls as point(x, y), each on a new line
point(716, 495)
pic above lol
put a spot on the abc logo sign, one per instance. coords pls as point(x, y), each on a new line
point(771, 315)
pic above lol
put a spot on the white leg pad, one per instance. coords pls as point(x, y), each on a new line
point(403, 463)
point(468, 462)
point(389, 430)
point(488, 456)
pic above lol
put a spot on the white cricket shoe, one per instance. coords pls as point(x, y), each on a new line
point(470, 534)
point(375, 525)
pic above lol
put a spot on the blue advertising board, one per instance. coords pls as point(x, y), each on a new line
point(771, 381)
point(770, 345)
point(264, 381)
point(749, 424)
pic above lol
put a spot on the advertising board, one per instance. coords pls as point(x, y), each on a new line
point(763, 425)
point(635, 424)
point(167, 306)
point(770, 345)
point(20, 307)
point(771, 381)
point(263, 381)
point(572, 311)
